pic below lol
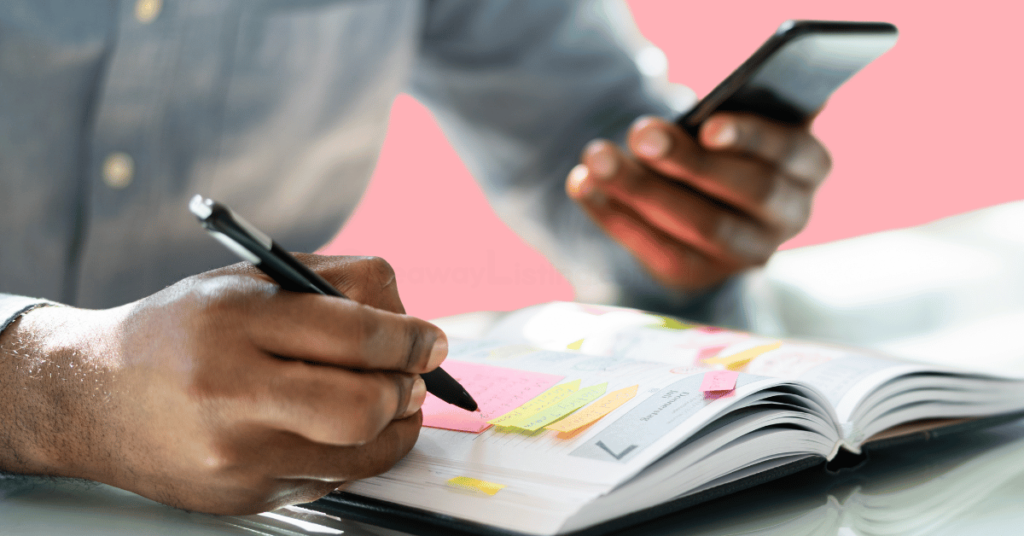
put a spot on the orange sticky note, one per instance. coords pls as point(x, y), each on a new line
point(497, 390)
point(595, 411)
point(740, 359)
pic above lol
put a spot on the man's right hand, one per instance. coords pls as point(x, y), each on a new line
point(222, 393)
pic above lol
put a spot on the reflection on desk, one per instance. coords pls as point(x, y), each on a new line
point(966, 484)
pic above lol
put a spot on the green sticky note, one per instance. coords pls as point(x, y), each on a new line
point(551, 414)
point(538, 403)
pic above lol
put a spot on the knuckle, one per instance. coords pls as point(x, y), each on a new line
point(219, 457)
point(788, 205)
point(378, 271)
point(416, 352)
point(363, 425)
point(743, 242)
point(361, 332)
point(219, 296)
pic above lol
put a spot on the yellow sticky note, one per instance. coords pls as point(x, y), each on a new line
point(740, 359)
point(595, 411)
point(556, 411)
point(472, 484)
point(668, 322)
point(539, 403)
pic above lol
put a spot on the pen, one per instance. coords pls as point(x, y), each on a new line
point(253, 245)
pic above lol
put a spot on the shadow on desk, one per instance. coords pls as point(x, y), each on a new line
point(961, 484)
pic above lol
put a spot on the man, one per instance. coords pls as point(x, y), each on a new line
point(223, 394)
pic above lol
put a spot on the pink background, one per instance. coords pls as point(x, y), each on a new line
point(929, 130)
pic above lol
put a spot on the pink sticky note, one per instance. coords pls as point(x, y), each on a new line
point(719, 380)
point(496, 390)
point(708, 352)
point(711, 329)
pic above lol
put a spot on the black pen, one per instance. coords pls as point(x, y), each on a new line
point(253, 245)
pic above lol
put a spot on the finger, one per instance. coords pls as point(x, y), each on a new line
point(793, 149)
point(344, 333)
point(752, 186)
point(330, 405)
point(669, 261)
point(724, 234)
point(367, 280)
point(297, 458)
point(256, 470)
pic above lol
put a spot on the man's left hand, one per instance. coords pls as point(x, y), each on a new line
point(695, 213)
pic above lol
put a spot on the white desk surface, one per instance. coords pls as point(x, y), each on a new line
point(942, 291)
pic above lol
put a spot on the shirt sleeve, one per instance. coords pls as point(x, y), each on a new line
point(519, 88)
point(11, 307)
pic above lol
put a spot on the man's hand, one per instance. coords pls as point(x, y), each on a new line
point(222, 393)
point(695, 214)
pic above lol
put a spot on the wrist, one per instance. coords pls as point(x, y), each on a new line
point(44, 418)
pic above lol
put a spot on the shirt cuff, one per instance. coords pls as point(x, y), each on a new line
point(11, 307)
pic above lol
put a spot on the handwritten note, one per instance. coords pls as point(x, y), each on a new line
point(497, 391)
point(570, 404)
point(539, 403)
point(595, 411)
point(472, 484)
point(740, 359)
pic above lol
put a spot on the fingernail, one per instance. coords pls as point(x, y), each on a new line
point(652, 143)
point(416, 398)
point(603, 163)
point(438, 352)
point(722, 133)
point(579, 187)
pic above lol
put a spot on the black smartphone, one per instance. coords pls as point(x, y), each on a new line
point(795, 71)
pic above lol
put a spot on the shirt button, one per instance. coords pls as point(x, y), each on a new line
point(118, 170)
point(146, 11)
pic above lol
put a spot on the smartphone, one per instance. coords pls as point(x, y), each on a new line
point(795, 71)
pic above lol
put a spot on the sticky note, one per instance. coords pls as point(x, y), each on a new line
point(719, 383)
point(740, 359)
point(708, 352)
point(554, 412)
point(472, 484)
point(497, 390)
point(539, 403)
point(668, 322)
point(719, 380)
point(595, 411)
point(711, 329)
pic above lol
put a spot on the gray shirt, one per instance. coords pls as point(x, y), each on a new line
point(113, 113)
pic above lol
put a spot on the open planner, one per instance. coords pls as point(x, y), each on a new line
point(591, 414)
